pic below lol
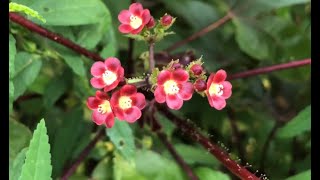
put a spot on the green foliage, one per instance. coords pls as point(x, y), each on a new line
point(122, 137)
point(14, 7)
point(15, 170)
point(303, 175)
point(207, 173)
point(298, 125)
point(37, 164)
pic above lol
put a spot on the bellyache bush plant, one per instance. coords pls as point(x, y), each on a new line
point(134, 110)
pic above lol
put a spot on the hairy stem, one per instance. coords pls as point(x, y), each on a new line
point(214, 149)
point(202, 32)
point(53, 36)
point(84, 153)
point(151, 57)
point(267, 69)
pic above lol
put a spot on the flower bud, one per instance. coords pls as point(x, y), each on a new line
point(176, 66)
point(196, 69)
point(151, 23)
point(166, 20)
point(200, 85)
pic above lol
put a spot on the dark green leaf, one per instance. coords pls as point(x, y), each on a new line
point(12, 54)
point(103, 170)
point(11, 95)
point(37, 165)
point(298, 125)
point(75, 63)
point(122, 137)
point(15, 170)
point(306, 175)
point(205, 173)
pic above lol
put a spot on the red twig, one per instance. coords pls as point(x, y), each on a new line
point(214, 149)
point(53, 36)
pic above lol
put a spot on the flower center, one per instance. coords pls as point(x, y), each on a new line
point(171, 87)
point(216, 89)
point(135, 22)
point(109, 77)
point(125, 102)
point(104, 107)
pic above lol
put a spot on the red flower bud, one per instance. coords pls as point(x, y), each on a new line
point(176, 66)
point(166, 20)
point(196, 69)
point(151, 23)
point(200, 85)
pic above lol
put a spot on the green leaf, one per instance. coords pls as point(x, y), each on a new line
point(11, 95)
point(110, 48)
point(103, 170)
point(75, 63)
point(27, 68)
point(19, 137)
point(122, 137)
point(303, 175)
point(54, 90)
point(125, 170)
point(37, 165)
point(255, 42)
point(15, 170)
point(12, 54)
point(69, 12)
point(14, 7)
point(298, 125)
point(205, 173)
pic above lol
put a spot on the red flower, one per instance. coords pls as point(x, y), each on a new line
point(107, 75)
point(166, 20)
point(151, 23)
point(102, 112)
point(127, 103)
point(218, 90)
point(134, 19)
point(173, 88)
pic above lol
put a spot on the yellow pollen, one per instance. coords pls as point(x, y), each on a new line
point(104, 107)
point(216, 89)
point(135, 22)
point(109, 77)
point(125, 102)
point(171, 87)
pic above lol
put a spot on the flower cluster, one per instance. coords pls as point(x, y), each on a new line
point(125, 103)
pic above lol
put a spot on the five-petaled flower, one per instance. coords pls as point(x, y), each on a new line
point(173, 87)
point(134, 19)
point(218, 90)
point(127, 103)
point(102, 111)
point(107, 74)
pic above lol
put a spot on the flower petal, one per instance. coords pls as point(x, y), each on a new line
point(108, 88)
point(128, 90)
point(124, 16)
point(118, 112)
point(114, 101)
point(120, 73)
point(93, 102)
point(102, 95)
point(145, 16)
point(186, 91)
point(174, 102)
point(97, 82)
point(137, 31)
point(138, 100)
point(220, 76)
point(109, 121)
point(180, 75)
point(125, 28)
point(163, 76)
point(217, 102)
point(98, 118)
point(132, 114)
point(136, 9)
point(160, 95)
point(98, 68)
point(209, 81)
point(112, 64)
point(226, 89)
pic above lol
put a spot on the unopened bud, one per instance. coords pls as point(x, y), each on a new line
point(196, 69)
point(151, 23)
point(200, 85)
point(166, 20)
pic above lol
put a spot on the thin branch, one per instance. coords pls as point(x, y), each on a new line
point(85, 152)
point(214, 149)
point(53, 36)
point(267, 69)
point(151, 57)
point(202, 32)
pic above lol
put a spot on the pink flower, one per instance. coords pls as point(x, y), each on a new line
point(134, 19)
point(173, 88)
point(218, 90)
point(107, 75)
point(166, 20)
point(102, 111)
point(151, 23)
point(127, 103)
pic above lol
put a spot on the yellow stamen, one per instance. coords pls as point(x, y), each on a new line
point(125, 102)
point(171, 87)
point(135, 22)
point(104, 107)
point(216, 89)
point(109, 77)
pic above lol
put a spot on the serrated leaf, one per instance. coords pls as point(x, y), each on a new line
point(75, 63)
point(15, 170)
point(37, 165)
point(205, 173)
point(69, 12)
point(19, 137)
point(14, 7)
point(12, 54)
point(298, 125)
point(122, 137)
point(27, 68)
point(306, 175)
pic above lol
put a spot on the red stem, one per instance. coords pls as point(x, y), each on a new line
point(214, 149)
point(53, 36)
